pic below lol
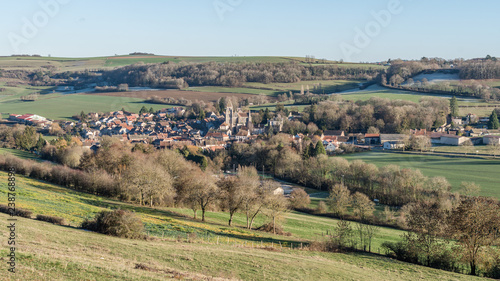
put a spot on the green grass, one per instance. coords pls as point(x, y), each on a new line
point(78, 64)
point(74, 207)
point(58, 106)
point(50, 252)
point(62, 253)
point(456, 170)
point(18, 153)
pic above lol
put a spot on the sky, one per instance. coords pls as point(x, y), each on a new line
point(354, 30)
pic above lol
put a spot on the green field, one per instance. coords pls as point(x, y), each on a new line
point(78, 64)
point(59, 106)
point(61, 253)
point(456, 170)
point(18, 153)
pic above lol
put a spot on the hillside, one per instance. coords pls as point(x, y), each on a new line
point(49, 252)
point(182, 246)
point(76, 64)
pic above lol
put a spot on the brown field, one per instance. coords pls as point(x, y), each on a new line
point(189, 95)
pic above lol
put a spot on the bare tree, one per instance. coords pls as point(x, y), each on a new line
point(275, 206)
point(339, 199)
point(148, 180)
point(201, 192)
point(475, 223)
point(299, 198)
point(362, 205)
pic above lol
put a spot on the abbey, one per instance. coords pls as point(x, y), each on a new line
point(236, 119)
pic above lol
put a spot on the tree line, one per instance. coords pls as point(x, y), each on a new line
point(230, 74)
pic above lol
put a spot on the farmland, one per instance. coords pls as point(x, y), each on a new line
point(78, 64)
point(455, 170)
point(61, 107)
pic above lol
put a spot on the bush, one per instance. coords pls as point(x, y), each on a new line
point(268, 227)
point(119, 223)
point(51, 219)
point(401, 251)
point(322, 208)
point(299, 198)
point(17, 211)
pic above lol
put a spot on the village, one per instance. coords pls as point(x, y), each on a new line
point(167, 129)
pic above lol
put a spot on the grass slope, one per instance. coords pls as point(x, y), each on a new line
point(49, 252)
point(481, 171)
point(75, 207)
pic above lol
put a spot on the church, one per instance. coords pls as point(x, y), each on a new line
point(236, 120)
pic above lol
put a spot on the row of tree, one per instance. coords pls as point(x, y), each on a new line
point(474, 224)
point(230, 74)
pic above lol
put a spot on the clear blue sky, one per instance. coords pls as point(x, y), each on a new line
point(79, 28)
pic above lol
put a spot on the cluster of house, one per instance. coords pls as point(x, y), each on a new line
point(218, 131)
point(31, 119)
point(213, 132)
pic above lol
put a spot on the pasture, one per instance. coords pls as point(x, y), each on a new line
point(192, 246)
point(456, 170)
point(75, 207)
point(108, 62)
point(51, 252)
point(63, 107)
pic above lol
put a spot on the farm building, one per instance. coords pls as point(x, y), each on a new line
point(452, 139)
point(491, 139)
point(372, 138)
point(393, 145)
point(392, 138)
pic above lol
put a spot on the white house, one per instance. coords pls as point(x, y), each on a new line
point(330, 146)
point(393, 145)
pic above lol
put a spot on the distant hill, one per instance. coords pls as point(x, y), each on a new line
point(60, 64)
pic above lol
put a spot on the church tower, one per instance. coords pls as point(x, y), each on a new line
point(230, 114)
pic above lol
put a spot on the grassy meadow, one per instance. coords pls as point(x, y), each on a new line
point(59, 107)
point(50, 252)
point(75, 207)
point(78, 64)
point(456, 170)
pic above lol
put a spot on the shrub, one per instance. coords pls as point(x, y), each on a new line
point(17, 211)
point(322, 208)
point(51, 219)
point(268, 227)
point(299, 198)
point(401, 251)
point(119, 223)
